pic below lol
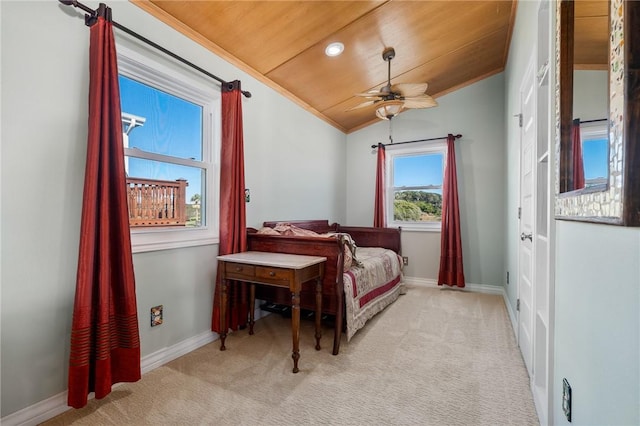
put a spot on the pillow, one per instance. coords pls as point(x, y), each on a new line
point(268, 231)
point(289, 229)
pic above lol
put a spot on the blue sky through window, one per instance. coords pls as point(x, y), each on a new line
point(418, 170)
point(173, 127)
point(595, 154)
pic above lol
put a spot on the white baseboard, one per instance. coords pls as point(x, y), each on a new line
point(57, 404)
point(165, 355)
point(476, 288)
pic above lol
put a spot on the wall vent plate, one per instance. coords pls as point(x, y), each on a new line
point(156, 315)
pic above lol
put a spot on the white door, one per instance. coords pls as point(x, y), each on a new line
point(525, 247)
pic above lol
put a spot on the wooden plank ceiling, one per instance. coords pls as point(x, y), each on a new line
point(448, 44)
point(591, 35)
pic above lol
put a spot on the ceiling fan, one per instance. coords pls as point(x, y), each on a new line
point(391, 99)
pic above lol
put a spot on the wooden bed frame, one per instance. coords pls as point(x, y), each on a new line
point(332, 249)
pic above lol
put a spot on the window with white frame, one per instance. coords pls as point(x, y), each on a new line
point(170, 133)
point(414, 185)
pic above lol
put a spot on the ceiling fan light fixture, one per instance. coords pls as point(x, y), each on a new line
point(334, 49)
point(389, 109)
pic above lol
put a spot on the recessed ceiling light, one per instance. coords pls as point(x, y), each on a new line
point(334, 49)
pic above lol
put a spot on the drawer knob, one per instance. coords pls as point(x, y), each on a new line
point(238, 268)
point(272, 274)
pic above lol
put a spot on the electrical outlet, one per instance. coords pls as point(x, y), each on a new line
point(156, 315)
point(405, 260)
point(566, 399)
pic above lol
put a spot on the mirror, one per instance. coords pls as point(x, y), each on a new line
point(597, 111)
point(584, 153)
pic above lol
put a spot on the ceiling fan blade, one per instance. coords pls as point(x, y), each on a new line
point(410, 90)
point(424, 101)
point(368, 95)
point(362, 105)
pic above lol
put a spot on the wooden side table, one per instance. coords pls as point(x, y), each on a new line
point(273, 269)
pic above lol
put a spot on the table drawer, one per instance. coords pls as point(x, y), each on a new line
point(273, 275)
point(240, 271)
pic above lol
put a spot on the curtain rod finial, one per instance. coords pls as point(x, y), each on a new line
point(67, 2)
point(246, 93)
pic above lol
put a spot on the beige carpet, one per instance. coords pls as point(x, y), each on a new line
point(434, 357)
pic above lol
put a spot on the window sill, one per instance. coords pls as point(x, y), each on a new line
point(165, 239)
point(415, 228)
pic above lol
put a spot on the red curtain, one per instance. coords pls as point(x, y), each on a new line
point(105, 343)
point(451, 270)
point(233, 232)
point(576, 149)
point(379, 220)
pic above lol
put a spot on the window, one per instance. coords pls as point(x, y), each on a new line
point(595, 154)
point(170, 134)
point(414, 182)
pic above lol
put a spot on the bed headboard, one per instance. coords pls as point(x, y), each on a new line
point(316, 225)
point(389, 238)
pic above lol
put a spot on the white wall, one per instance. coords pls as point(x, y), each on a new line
point(590, 94)
point(295, 168)
point(598, 323)
point(597, 284)
point(476, 112)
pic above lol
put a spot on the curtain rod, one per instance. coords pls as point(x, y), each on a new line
point(418, 140)
point(94, 13)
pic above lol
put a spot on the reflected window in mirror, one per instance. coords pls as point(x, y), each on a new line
point(594, 137)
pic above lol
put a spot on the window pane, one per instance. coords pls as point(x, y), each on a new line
point(417, 206)
point(595, 153)
point(156, 193)
point(172, 126)
point(418, 170)
point(417, 187)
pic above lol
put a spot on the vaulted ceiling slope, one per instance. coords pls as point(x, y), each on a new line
point(448, 44)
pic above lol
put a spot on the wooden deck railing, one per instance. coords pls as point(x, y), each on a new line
point(156, 202)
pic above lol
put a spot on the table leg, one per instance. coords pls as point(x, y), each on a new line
point(252, 306)
point(295, 328)
point(318, 312)
point(223, 312)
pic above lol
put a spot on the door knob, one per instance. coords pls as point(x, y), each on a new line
point(524, 236)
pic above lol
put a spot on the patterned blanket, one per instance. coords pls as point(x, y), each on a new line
point(371, 287)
